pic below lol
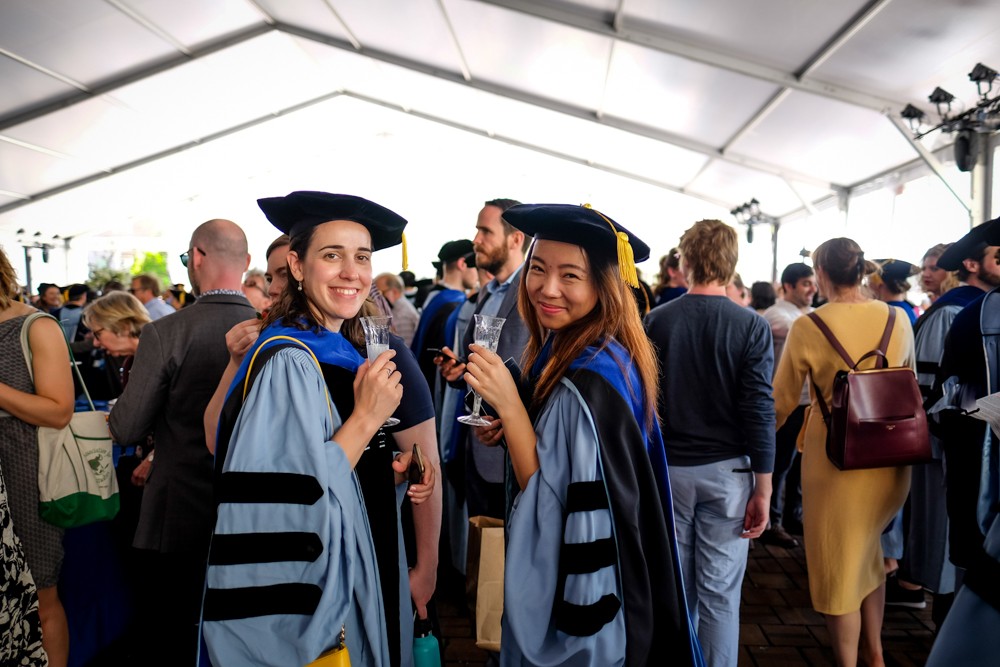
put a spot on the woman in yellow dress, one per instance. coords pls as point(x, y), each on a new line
point(844, 511)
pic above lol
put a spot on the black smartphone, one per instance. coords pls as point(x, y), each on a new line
point(438, 351)
point(415, 473)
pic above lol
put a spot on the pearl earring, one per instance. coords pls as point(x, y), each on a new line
point(300, 285)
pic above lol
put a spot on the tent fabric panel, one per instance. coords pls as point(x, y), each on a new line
point(541, 57)
point(748, 29)
point(681, 96)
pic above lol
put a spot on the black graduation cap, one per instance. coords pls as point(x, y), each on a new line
point(304, 209)
point(896, 269)
point(971, 245)
point(582, 226)
point(453, 251)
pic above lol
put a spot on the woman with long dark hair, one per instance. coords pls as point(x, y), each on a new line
point(307, 536)
point(592, 575)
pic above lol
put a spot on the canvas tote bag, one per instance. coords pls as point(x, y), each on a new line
point(76, 473)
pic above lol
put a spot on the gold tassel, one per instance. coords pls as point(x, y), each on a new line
point(405, 259)
point(626, 261)
point(626, 258)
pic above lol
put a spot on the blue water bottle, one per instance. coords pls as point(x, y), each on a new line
point(426, 650)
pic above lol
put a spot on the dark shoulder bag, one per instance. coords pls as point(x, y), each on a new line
point(876, 418)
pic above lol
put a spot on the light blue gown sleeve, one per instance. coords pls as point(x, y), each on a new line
point(285, 427)
point(568, 453)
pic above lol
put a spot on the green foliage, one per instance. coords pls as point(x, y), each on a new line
point(101, 275)
point(153, 263)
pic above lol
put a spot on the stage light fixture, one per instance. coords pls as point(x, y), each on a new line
point(981, 75)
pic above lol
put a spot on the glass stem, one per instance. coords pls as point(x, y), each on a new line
point(477, 400)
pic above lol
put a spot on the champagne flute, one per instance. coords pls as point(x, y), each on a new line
point(487, 334)
point(377, 342)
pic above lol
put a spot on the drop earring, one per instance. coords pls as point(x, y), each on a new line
point(300, 285)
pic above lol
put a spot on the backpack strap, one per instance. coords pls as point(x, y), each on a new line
point(883, 346)
point(821, 325)
point(879, 353)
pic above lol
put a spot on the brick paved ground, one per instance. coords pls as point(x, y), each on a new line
point(778, 626)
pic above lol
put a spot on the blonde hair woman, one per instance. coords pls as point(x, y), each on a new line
point(116, 319)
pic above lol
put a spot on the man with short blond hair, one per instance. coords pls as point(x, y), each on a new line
point(718, 429)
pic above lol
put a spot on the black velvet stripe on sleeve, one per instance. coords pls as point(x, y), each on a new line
point(228, 604)
point(268, 487)
point(587, 557)
point(587, 619)
point(586, 497)
point(656, 623)
point(242, 548)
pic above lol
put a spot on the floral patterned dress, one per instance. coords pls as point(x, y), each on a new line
point(20, 630)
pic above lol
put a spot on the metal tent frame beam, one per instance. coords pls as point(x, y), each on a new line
point(665, 44)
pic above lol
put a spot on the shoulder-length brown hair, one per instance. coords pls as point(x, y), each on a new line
point(615, 316)
point(292, 308)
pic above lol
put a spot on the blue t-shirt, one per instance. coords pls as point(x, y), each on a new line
point(416, 406)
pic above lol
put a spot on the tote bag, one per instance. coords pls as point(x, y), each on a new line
point(76, 473)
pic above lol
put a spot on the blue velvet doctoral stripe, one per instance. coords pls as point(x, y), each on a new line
point(960, 296)
point(329, 347)
point(444, 297)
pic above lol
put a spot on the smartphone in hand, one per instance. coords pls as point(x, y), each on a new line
point(415, 473)
point(436, 351)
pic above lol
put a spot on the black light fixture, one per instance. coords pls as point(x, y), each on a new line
point(981, 75)
point(749, 214)
point(913, 116)
point(981, 118)
point(941, 96)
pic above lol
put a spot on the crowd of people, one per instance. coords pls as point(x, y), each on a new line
point(287, 494)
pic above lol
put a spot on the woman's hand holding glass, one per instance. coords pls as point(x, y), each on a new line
point(377, 388)
point(490, 378)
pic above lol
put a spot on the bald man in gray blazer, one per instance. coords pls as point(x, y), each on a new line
point(176, 369)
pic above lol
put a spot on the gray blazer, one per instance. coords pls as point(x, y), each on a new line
point(177, 367)
point(513, 339)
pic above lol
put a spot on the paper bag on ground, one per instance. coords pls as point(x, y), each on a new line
point(476, 525)
point(489, 600)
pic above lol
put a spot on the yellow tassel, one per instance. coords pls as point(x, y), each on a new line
point(626, 261)
point(626, 258)
point(406, 261)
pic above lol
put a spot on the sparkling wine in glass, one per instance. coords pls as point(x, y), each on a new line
point(377, 342)
point(487, 334)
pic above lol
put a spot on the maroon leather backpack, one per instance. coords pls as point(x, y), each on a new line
point(876, 419)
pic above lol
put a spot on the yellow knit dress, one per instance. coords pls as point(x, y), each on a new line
point(844, 511)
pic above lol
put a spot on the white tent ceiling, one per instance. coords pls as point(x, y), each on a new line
point(150, 107)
